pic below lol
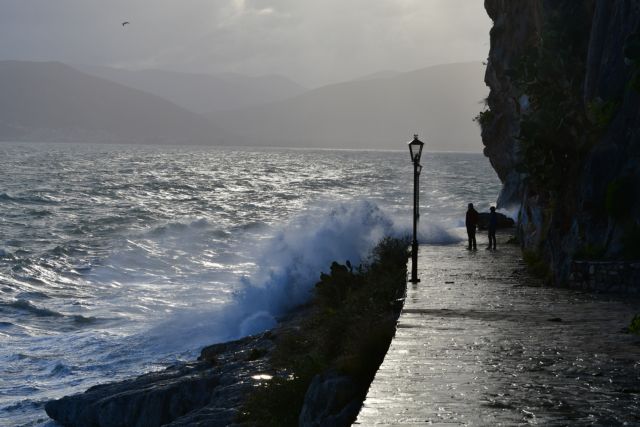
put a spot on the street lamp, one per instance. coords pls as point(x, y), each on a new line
point(415, 150)
point(418, 194)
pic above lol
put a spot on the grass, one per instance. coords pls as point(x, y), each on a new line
point(351, 323)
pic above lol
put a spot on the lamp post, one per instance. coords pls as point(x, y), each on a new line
point(415, 150)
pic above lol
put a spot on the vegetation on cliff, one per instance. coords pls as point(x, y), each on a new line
point(557, 129)
point(348, 330)
point(561, 129)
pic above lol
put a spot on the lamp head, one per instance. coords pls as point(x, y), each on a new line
point(415, 149)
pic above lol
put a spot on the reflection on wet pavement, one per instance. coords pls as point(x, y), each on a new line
point(480, 342)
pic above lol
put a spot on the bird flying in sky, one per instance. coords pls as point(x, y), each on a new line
point(125, 23)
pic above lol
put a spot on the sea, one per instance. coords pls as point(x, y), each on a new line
point(121, 259)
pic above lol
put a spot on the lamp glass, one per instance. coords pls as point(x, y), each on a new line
point(415, 149)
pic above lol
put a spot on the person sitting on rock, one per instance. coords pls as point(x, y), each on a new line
point(471, 221)
point(493, 224)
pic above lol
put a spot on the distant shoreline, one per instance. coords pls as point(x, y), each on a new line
point(259, 147)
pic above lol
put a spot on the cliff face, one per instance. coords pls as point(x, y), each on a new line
point(562, 128)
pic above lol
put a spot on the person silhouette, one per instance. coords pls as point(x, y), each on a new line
point(471, 221)
point(493, 223)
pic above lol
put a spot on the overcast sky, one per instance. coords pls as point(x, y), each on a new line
point(311, 41)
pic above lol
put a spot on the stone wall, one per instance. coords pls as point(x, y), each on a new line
point(608, 276)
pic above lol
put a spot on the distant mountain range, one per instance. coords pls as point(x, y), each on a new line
point(50, 101)
point(203, 93)
point(373, 112)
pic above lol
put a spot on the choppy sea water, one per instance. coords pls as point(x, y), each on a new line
point(116, 260)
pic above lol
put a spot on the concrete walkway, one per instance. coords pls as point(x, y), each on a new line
point(481, 343)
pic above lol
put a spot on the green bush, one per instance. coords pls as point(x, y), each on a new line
point(484, 117)
point(349, 329)
point(634, 327)
point(601, 113)
point(365, 350)
point(333, 288)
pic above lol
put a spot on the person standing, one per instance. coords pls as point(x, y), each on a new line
point(471, 221)
point(493, 224)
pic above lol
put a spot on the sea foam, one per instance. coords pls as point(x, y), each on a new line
point(288, 264)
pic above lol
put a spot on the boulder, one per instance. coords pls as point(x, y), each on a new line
point(208, 392)
point(331, 401)
point(503, 221)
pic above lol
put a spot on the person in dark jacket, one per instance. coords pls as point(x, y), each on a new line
point(493, 223)
point(471, 221)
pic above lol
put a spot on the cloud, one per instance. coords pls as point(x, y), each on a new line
point(312, 41)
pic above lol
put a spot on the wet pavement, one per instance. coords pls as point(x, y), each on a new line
point(480, 342)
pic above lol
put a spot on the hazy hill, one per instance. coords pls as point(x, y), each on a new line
point(437, 102)
point(384, 74)
point(50, 101)
point(203, 93)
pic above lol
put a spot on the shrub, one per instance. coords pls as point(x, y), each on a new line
point(601, 113)
point(634, 327)
point(349, 329)
point(484, 118)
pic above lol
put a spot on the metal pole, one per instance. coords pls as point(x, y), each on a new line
point(414, 243)
point(417, 185)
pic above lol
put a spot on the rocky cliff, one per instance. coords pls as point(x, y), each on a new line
point(562, 127)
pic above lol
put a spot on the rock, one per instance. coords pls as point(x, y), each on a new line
point(515, 26)
point(596, 202)
point(150, 400)
point(208, 392)
point(503, 221)
point(197, 393)
point(331, 401)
